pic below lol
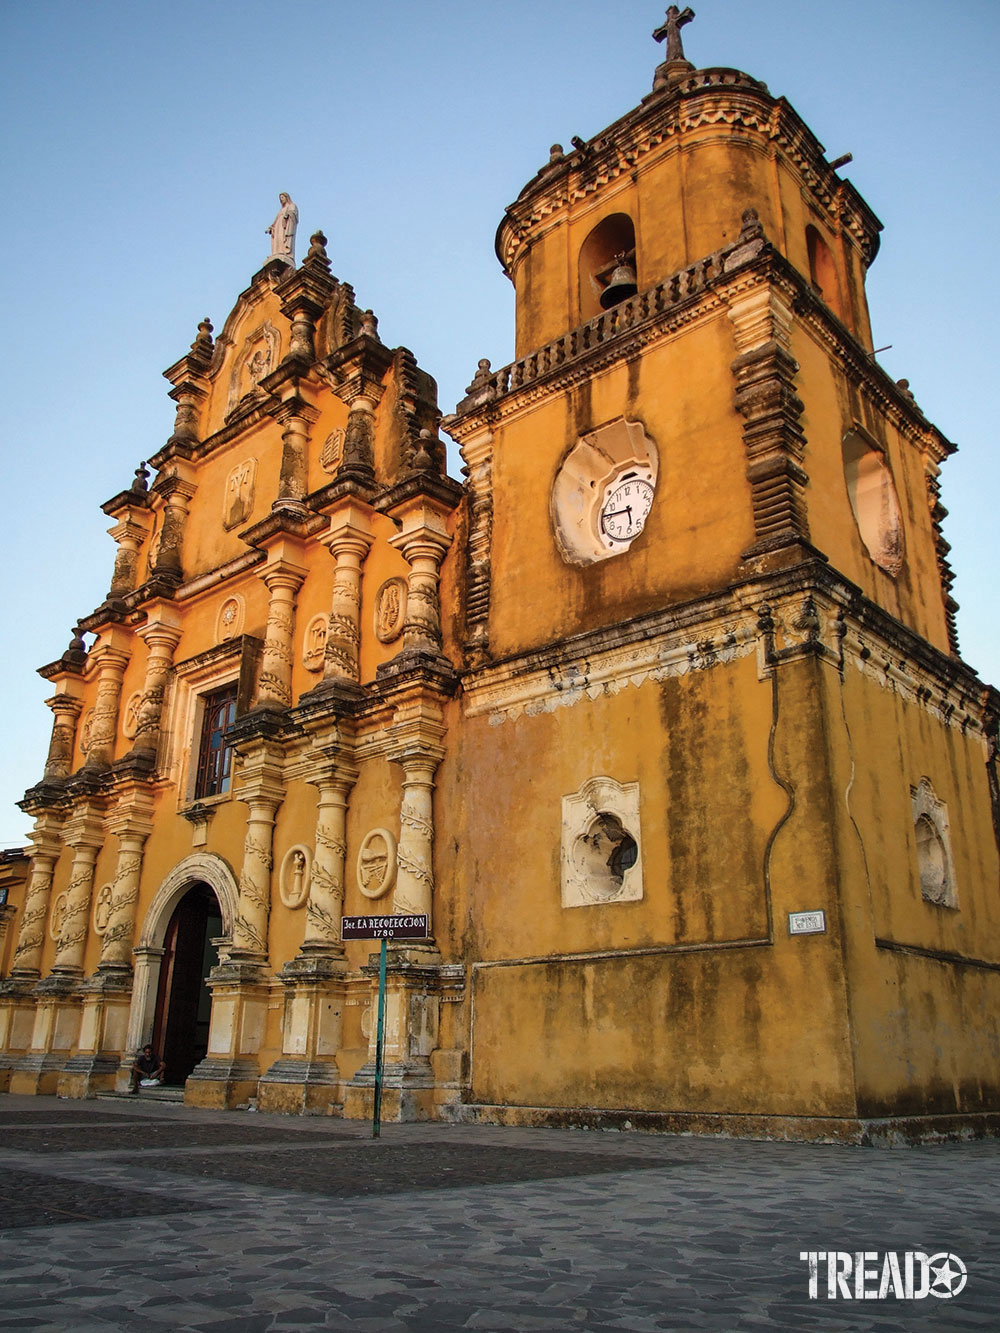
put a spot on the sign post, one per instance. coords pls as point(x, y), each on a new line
point(383, 928)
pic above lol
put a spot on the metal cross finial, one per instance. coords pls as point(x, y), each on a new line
point(671, 30)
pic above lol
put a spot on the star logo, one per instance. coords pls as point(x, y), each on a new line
point(949, 1275)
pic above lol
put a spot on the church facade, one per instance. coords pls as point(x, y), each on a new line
point(658, 716)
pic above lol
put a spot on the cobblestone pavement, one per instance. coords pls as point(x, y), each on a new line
point(129, 1215)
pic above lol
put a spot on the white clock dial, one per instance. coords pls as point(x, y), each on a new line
point(624, 509)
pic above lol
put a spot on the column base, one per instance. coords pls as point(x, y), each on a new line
point(407, 1093)
point(88, 1074)
point(301, 1087)
point(37, 1074)
point(222, 1085)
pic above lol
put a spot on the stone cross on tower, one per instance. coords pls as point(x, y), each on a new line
point(675, 66)
point(671, 30)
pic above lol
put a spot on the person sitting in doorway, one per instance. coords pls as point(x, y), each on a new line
point(148, 1069)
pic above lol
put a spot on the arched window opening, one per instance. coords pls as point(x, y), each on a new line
point(872, 494)
point(607, 265)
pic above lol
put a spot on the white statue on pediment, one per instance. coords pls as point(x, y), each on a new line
point(282, 230)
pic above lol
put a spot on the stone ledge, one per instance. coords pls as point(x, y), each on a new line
point(890, 1132)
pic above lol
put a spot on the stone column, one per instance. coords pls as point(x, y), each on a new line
point(250, 932)
point(72, 939)
point(348, 540)
point(414, 888)
point(274, 685)
point(116, 946)
point(104, 723)
point(129, 536)
point(326, 890)
point(423, 546)
point(359, 437)
point(66, 714)
point(296, 417)
point(177, 494)
point(161, 638)
point(27, 960)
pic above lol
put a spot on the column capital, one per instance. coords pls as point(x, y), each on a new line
point(162, 629)
point(350, 527)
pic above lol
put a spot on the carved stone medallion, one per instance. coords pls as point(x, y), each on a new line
point(86, 726)
point(238, 501)
point(229, 622)
point(57, 917)
point(102, 908)
point(130, 715)
point(390, 610)
point(377, 863)
point(314, 643)
point(332, 452)
point(293, 879)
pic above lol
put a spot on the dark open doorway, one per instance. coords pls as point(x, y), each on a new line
point(183, 1002)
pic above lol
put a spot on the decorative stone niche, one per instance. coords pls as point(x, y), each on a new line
point(601, 844)
point(603, 491)
point(872, 494)
point(935, 863)
point(293, 878)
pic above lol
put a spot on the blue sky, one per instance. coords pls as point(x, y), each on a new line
point(147, 142)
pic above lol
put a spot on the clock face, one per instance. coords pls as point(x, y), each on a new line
point(624, 509)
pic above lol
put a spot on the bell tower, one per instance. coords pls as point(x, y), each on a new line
point(708, 631)
point(695, 273)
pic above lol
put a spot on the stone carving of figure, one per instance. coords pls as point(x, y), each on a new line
point(282, 231)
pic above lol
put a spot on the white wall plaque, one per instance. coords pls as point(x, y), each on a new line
point(807, 923)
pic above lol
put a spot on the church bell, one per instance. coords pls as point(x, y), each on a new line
point(621, 284)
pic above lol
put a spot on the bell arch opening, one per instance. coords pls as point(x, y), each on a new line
point(607, 265)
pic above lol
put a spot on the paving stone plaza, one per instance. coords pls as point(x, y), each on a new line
point(136, 1214)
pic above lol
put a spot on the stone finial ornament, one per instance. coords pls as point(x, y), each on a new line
point(140, 482)
point(369, 325)
point(203, 338)
point(317, 256)
point(423, 460)
point(556, 154)
point(752, 228)
point(282, 231)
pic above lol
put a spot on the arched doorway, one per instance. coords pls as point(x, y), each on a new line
point(183, 1001)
